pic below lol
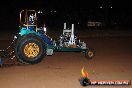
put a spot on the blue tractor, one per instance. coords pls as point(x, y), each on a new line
point(32, 44)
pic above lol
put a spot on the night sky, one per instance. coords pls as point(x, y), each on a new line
point(56, 12)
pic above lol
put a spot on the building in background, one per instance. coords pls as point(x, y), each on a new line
point(94, 24)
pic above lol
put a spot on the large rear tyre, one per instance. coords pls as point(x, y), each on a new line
point(30, 49)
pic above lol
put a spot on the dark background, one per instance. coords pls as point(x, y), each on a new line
point(56, 12)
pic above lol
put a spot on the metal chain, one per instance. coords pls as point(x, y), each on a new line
point(9, 53)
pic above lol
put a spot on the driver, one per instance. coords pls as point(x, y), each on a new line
point(31, 19)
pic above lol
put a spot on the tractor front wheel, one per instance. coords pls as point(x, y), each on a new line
point(30, 49)
point(89, 53)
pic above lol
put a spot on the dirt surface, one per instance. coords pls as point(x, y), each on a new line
point(113, 61)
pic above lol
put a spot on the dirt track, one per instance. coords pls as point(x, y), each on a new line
point(113, 60)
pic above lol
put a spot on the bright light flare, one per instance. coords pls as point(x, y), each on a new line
point(84, 73)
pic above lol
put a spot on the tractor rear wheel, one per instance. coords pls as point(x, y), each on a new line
point(89, 53)
point(30, 49)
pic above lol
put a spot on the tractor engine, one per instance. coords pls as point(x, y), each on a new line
point(68, 39)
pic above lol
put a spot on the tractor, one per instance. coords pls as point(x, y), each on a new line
point(32, 44)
